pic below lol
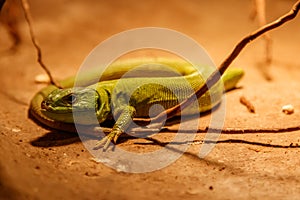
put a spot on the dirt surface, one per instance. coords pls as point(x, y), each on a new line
point(40, 164)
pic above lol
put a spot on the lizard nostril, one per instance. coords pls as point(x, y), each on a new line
point(44, 105)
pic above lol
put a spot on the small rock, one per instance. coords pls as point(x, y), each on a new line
point(15, 130)
point(41, 78)
point(193, 191)
point(288, 109)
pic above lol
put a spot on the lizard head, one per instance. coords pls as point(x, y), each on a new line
point(62, 104)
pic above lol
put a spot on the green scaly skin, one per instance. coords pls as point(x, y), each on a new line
point(122, 98)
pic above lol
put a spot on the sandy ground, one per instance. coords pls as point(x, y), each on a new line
point(36, 163)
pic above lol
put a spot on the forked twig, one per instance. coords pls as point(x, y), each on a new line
point(260, 15)
point(215, 76)
point(28, 18)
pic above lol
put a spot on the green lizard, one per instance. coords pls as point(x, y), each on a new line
point(121, 98)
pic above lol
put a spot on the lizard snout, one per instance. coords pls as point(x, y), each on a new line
point(44, 105)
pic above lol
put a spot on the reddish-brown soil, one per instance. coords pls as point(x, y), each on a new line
point(39, 164)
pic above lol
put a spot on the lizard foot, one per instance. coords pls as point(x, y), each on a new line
point(112, 136)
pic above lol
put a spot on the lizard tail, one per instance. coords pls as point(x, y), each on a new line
point(231, 77)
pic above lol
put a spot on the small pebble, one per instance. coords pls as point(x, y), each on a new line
point(15, 130)
point(288, 109)
point(41, 78)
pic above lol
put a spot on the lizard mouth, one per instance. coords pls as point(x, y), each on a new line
point(48, 106)
point(44, 106)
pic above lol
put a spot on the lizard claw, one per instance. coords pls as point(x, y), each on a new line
point(116, 138)
point(104, 141)
point(112, 136)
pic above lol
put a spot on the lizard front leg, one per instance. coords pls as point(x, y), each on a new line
point(122, 123)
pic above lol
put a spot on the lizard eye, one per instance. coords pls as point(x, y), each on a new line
point(71, 98)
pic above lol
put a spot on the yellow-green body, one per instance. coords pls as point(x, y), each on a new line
point(131, 96)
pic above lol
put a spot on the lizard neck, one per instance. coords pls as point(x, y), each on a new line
point(103, 111)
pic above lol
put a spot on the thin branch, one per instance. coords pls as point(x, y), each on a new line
point(28, 18)
point(260, 7)
point(260, 15)
point(215, 76)
point(248, 104)
point(1, 4)
point(228, 130)
point(10, 20)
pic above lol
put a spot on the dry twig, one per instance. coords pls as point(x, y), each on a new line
point(215, 76)
point(260, 15)
point(1, 3)
point(28, 18)
point(248, 104)
point(10, 20)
